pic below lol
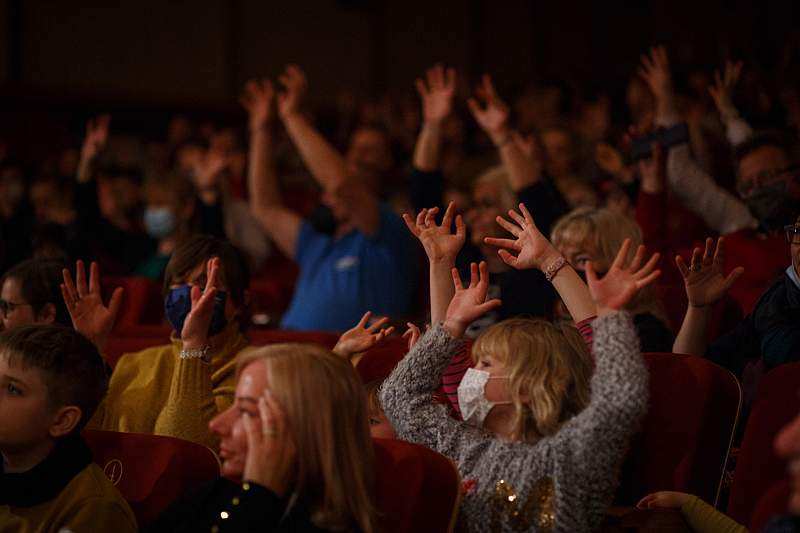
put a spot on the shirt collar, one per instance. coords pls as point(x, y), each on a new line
point(792, 273)
point(45, 481)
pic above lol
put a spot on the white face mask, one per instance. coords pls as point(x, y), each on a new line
point(472, 397)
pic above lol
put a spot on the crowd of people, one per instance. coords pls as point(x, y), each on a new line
point(549, 232)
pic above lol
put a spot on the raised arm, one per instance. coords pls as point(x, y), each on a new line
point(355, 342)
point(530, 249)
point(737, 129)
point(523, 170)
point(94, 142)
point(705, 285)
point(698, 191)
point(437, 104)
point(266, 204)
point(325, 163)
point(441, 247)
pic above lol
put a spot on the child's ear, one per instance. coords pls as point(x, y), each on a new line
point(65, 420)
point(47, 315)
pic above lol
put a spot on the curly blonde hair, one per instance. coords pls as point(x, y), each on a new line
point(549, 371)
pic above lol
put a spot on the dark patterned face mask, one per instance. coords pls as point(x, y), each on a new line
point(773, 205)
point(178, 303)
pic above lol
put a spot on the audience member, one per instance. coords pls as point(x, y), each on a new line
point(295, 450)
point(176, 389)
point(31, 294)
point(52, 381)
point(517, 478)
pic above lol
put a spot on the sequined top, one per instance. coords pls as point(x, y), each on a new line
point(563, 482)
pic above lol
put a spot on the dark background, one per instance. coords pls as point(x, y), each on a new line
point(141, 59)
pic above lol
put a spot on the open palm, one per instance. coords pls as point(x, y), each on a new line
point(363, 337)
point(532, 249)
point(469, 304)
point(438, 240)
point(85, 304)
point(437, 94)
point(622, 282)
point(494, 117)
point(704, 280)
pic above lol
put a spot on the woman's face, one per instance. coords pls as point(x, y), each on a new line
point(578, 254)
point(486, 207)
point(197, 277)
point(229, 425)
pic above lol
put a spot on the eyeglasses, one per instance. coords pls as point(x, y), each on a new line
point(792, 233)
point(7, 307)
point(746, 187)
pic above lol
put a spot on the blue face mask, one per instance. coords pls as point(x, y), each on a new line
point(159, 222)
point(178, 303)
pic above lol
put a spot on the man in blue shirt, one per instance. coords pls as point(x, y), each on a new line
point(366, 262)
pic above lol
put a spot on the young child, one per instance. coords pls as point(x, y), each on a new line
point(52, 381)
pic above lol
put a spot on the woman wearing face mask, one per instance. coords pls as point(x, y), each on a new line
point(594, 235)
point(295, 449)
point(178, 388)
point(167, 219)
point(530, 460)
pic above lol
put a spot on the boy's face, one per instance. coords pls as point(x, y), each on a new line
point(25, 413)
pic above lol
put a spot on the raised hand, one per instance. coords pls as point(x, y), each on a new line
point(96, 136)
point(493, 118)
point(655, 72)
point(195, 327)
point(362, 337)
point(722, 90)
point(412, 335)
point(85, 304)
point(532, 249)
point(257, 100)
point(469, 304)
point(437, 94)
point(294, 85)
point(622, 281)
point(441, 245)
point(208, 170)
point(270, 449)
point(704, 279)
point(663, 500)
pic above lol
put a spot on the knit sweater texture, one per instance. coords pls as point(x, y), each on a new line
point(155, 391)
point(563, 482)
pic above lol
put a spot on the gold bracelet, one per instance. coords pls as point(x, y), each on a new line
point(553, 268)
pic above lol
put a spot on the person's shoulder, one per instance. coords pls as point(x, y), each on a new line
point(146, 357)
point(92, 491)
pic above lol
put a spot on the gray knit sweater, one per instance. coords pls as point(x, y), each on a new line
point(561, 483)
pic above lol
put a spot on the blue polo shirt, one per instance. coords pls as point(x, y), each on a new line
point(341, 279)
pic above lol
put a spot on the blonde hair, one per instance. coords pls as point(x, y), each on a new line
point(604, 231)
point(498, 176)
point(549, 371)
point(325, 409)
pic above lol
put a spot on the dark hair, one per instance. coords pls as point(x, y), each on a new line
point(197, 250)
point(40, 284)
point(72, 369)
point(758, 141)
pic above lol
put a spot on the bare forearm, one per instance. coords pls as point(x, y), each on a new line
point(692, 337)
point(84, 174)
point(428, 147)
point(522, 170)
point(261, 176)
point(442, 290)
point(325, 163)
point(574, 293)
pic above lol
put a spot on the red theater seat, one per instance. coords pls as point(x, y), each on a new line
point(379, 362)
point(142, 302)
point(261, 337)
point(774, 503)
point(758, 467)
point(418, 489)
point(151, 471)
point(687, 432)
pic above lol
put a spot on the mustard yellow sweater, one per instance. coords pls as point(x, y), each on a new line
point(155, 391)
point(89, 503)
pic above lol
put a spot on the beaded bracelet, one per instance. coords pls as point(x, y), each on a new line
point(553, 268)
point(203, 353)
